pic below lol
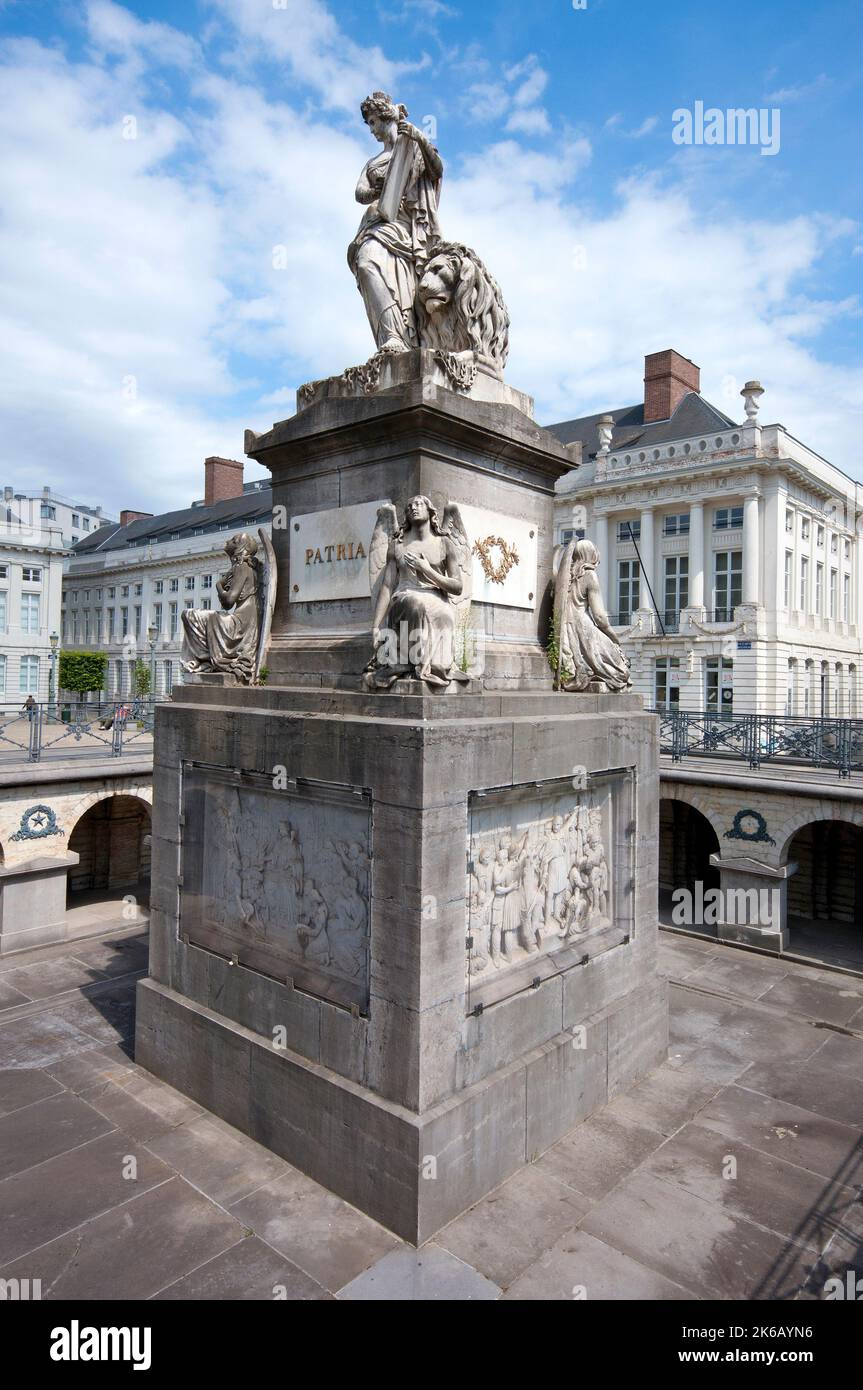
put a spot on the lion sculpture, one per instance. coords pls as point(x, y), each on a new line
point(460, 308)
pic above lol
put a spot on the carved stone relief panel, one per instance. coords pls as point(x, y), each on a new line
point(550, 879)
point(279, 879)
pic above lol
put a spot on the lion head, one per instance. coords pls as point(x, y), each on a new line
point(460, 307)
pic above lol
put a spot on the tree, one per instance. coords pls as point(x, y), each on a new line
point(82, 671)
point(141, 679)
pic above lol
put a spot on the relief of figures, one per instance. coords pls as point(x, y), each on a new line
point(531, 891)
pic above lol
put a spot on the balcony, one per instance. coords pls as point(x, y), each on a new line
point(763, 738)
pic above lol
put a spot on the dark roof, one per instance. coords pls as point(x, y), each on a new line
point(252, 506)
point(693, 415)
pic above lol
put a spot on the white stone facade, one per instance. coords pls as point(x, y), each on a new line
point(750, 543)
point(31, 579)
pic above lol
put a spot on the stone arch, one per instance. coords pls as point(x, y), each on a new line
point(819, 811)
point(687, 839)
point(698, 800)
point(828, 884)
point(112, 838)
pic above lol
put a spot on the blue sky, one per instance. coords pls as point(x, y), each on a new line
point(146, 322)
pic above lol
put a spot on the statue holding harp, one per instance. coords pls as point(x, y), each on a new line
point(401, 188)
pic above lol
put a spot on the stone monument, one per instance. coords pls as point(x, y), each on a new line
point(404, 911)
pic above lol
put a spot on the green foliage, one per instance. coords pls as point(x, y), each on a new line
point(82, 671)
point(141, 678)
point(552, 651)
point(464, 646)
point(262, 678)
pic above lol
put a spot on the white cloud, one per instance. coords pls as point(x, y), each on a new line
point(532, 122)
point(785, 95)
point(650, 123)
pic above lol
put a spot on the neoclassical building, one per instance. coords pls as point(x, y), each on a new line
point(129, 581)
point(730, 552)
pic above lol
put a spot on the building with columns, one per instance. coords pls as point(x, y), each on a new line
point(132, 580)
point(730, 552)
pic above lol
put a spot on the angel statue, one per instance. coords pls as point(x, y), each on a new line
point(420, 575)
point(401, 187)
point(590, 657)
point(235, 640)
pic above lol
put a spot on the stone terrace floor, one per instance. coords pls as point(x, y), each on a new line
point(765, 1068)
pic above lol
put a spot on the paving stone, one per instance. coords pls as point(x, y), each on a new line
point(328, 1239)
point(737, 973)
point(106, 1013)
point(689, 1241)
point(165, 1233)
point(140, 1104)
point(788, 1132)
point(10, 997)
point(596, 1155)
point(47, 978)
point(753, 1032)
point(117, 956)
point(666, 1099)
point(44, 1202)
point(694, 1016)
point(811, 1086)
point(218, 1159)
point(835, 1003)
point(46, 1128)
point(426, 1275)
point(509, 1229)
point(581, 1267)
point(248, 1270)
point(19, 1088)
point(39, 1040)
point(841, 1054)
point(97, 1064)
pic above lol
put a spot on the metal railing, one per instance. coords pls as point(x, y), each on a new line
point(106, 728)
point(763, 738)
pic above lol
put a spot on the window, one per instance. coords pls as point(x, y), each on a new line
point(789, 519)
point(834, 545)
point(666, 683)
point(124, 591)
point(4, 617)
point(676, 589)
point(847, 550)
point(30, 613)
point(98, 595)
point(111, 593)
point(727, 518)
point(804, 583)
point(169, 674)
point(628, 590)
point(206, 604)
point(727, 584)
point(676, 525)
point(100, 622)
point(789, 570)
point(124, 622)
point(819, 537)
point(804, 527)
point(4, 571)
point(719, 685)
point(49, 513)
point(139, 589)
point(172, 630)
point(28, 675)
point(623, 530)
point(206, 581)
point(86, 598)
point(568, 534)
point(137, 620)
point(31, 575)
point(846, 598)
point(86, 523)
point(173, 585)
point(76, 520)
point(2, 675)
point(73, 596)
point(87, 627)
point(190, 581)
point(834, 592)
point(819, 590)
point(157, 618)
point(159, 586)
point(790, 686)
point(75, 540)
point(189, 603)
point(110, 634)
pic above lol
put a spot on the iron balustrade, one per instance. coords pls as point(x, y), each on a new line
point(763, 738)
point(106, 728)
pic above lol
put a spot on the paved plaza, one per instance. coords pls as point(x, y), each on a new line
point(734, 1171)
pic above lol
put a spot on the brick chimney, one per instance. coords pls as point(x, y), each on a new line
point(223, 478)
point(127, 516)
point(668, 377)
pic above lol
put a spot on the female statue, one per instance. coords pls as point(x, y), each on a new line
point(589, 653)
point(417, 572)
point(228, 641)
point(384, 254)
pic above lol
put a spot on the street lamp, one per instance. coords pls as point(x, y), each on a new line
point(54, 639)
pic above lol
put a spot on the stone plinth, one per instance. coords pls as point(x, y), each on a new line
point(348, 448)
point(320, 970)
point(33, 902)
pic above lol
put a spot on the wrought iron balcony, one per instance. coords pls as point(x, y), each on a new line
point(763, 738)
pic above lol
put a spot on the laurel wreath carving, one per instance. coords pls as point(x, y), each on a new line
point(495, 573)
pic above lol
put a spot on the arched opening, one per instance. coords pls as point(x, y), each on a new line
point(825, 895)
point(112, 841)
point(686, 842)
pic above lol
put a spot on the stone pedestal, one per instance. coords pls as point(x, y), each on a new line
point(406, 940)
point(33, 902)
point(753, 902)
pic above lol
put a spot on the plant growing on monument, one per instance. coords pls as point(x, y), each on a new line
point(552, 650)
point(82, 672)
point(464, 648)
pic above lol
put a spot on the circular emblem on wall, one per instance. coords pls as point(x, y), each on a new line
point(749, 825)
point(36, 823)
point(497, 558)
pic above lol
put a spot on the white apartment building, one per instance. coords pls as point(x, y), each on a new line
point(31, 578)
point(74, 520)
point(730, 552)
point(133, 580)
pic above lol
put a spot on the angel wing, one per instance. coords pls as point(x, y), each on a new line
point(385, 528)
point(454, 528)
point(268, 600)
point(562, 566)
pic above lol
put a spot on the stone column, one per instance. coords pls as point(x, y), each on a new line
point(751, 550)
point(753, 904)
point(600, 531)
point(645, 546)
point(696, 555)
